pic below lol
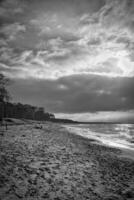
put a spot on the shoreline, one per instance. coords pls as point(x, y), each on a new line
point(52, 163)
point(95, 138)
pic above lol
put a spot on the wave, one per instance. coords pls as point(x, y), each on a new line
point(114, 135)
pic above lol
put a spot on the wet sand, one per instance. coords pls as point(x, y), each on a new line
point(51, 163)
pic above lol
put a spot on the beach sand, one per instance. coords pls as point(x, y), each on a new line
point(51, 163)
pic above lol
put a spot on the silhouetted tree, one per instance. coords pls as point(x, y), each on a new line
point(4, 95)
point(18, 110)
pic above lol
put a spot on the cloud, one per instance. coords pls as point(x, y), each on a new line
point(70, 56)
point(77, 39)
point(3, 43)
point(10, 8)
point(52, 26)
point(6, 54)
point(118, 13)
point(77, 94)
point(10, 31)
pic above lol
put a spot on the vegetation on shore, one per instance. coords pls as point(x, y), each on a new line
point(19, 110)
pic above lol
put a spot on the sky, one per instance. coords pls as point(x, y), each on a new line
point(73, 57)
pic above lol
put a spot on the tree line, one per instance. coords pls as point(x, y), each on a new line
point(19, 110)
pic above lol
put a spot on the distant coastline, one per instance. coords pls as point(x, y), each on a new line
point(67, 121)
point(60, 120)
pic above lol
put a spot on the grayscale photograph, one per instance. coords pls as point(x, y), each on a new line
point(67, 99)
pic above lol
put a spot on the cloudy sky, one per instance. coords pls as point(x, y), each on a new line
point(73, 57)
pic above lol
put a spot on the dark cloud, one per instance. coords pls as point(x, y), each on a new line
point(77, 94)
point(94, 41)
point(52, 44)
point(119, 13)
point(77, 6)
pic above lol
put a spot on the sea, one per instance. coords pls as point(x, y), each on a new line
point(114, 135)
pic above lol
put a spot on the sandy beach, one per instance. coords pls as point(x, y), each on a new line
point(52, 163)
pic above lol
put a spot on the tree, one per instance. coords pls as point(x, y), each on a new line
point(4, 95)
